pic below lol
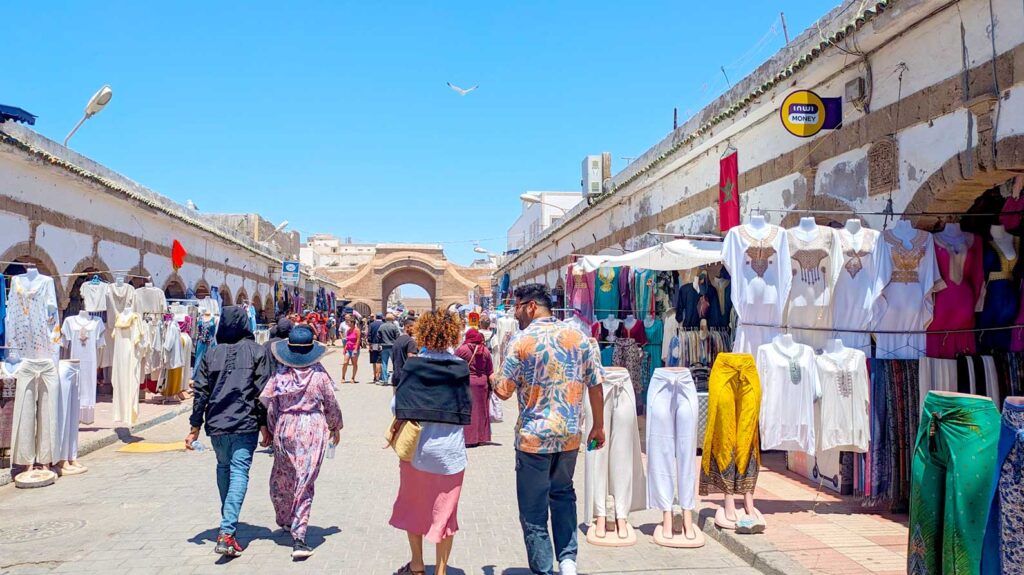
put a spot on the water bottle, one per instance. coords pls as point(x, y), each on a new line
point(330, 450)
point(197, 446)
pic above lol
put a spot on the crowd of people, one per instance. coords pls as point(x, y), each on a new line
point(280, 395)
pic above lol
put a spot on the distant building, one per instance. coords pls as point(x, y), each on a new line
point(538, 216)
point(260, 230)
point(327, 251)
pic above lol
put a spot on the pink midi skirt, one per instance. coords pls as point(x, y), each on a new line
point(427, 504)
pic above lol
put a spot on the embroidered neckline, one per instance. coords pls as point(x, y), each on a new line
point(760, 251)
point(854, 258)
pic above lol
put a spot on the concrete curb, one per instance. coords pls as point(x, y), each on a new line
point(112, 437)
point(757, 551)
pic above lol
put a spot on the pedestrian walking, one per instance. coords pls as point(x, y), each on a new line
point(433, 391)
point(476, 355)
point(404, 348)
point(551, 364)
point(352, 345)
point(373, 340)
point(387, 334)
point(332, 329)
point(278, 333)
point(301, 412)
point(227, 386)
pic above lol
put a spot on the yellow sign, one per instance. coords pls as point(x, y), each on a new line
point(803, 113)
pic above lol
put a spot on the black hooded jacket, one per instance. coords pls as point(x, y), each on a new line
point(230, 378)
point(434, 390)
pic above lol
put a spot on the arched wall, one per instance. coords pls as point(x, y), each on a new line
point(408, 275)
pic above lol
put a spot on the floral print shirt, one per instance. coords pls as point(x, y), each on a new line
point(550, 364)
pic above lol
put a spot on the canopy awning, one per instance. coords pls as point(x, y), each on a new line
point(16, 114)
point(673, 255)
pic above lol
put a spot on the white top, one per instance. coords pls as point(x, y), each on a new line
point(816, 262)
point(844, 421)
point(120, 297)
point(671, 331)
point(32, 317)
point(94, 296)
point(173, 348)
point(789, 386)
point(83, 338)
point(858, 286)
point(907, 301)
point(150, 300)
point(761, 269)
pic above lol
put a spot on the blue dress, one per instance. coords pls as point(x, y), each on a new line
point(655, 336)
point(606, 293)
point(1001, 299)
point(205, 339)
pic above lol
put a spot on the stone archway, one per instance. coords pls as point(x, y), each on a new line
point(29, 254)
point(242, 298)
point(83, 272)
point(410, 275)
point(225, 295)
point(174, 287)
point(202, 289)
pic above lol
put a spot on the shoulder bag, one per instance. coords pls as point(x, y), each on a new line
point(403, 436)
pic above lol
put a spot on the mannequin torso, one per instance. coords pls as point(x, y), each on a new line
point(904, 232)
point(1004, 242)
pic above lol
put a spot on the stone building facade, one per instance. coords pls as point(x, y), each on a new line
point(940, 120)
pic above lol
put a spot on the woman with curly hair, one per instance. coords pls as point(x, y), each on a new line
point(433, 391)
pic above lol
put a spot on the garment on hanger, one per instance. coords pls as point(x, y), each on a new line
point(1002, 297)
point(858, 286)
point(670, 331)
point(150, 300)
point(1011, 214)
point(960, 265)
point(672, 412)
point(68, 410)
point(1004, 539)
point(606, 293)
point(645, 286)
point(666, 289)
point(3, 316)
point(618, 468)
point(626, 291)
point(731, 454)
point(655, 335)
point(119, 297)
point(579, 286)
point(954, 463)
point(94, 296)
point(627, 353)
point(789, 388)
point(129, 345)
point(206, 338)
point(35, 435)
point(907, 301)
point(761, 270)
point(31, 317)
point(695, 303)
point(84, 339)
point(8, 390)
point(815, 263)
point(723, 286)
point(842, 414)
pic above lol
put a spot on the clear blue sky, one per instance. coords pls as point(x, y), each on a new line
point(336, 116)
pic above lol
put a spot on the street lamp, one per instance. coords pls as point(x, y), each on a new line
point(532, 199)
point(100, 99)
point(279, 227)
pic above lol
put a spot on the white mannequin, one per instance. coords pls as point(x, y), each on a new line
point(649, 320)
point(691, 536)
point(149, 284)
point(953, 236)
point(854, 228)
point(1004, 241)
point(31, 273)
point(785, 341)
point(119, 280)
point(757, 222)
point(904, 231)
point(611, 323)
point(834, 347)
point(84, 315)
point(630, 321)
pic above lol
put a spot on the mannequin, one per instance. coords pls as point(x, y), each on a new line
point(834, 347)
point(785, 341)
point(807, 229)
point(757, 222)
point(649, 320)
point(149, 284)
point(854, 227)
point(611, 323)
point(31, 273)
point(630, 321)
point(905, 232)
point(119, 280)
point(1004, 241)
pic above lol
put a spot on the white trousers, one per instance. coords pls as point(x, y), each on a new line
point(672, 411)
point(35, 437)
point(68, 414)
point(615, 470)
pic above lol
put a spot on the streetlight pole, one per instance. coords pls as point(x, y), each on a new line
point(100, 99)
point(532, 199)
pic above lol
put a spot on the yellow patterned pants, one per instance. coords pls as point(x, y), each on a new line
point(732, 443)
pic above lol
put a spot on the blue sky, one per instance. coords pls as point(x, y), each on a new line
point(336, 117)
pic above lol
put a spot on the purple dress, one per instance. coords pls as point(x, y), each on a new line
point(301, 410)
point(480, 369)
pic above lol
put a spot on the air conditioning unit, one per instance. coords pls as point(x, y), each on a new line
point(593, 171)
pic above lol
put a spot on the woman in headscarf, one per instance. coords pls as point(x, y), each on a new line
point(476, 354)
point(434, 391)
point(301, 412)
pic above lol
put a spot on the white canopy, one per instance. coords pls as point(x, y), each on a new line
point(673, 255)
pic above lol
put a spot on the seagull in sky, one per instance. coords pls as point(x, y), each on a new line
point(461, 91)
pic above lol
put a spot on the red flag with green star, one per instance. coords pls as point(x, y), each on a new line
point(728, 192)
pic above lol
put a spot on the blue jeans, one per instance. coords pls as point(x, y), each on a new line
point(385, 357)
point(543, 481)
point(234, 457)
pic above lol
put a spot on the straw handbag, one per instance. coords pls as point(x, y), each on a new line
point(403, 437)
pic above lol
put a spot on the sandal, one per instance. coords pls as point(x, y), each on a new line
point(408, 570)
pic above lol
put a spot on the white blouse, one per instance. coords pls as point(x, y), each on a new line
point(911, 276)
point(759, 263)
point(858, 286)
point(843, 416)
point(789, 387)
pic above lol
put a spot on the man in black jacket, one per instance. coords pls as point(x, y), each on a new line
point(227, 386)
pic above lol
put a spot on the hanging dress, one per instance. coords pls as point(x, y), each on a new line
point(31, 315)
point(907, 302)
point(579, 286)
point(655, 335)
point(1002, 297)
point(84, 339)
point(761, 270)
point(857, 287)
point(206, 338)
point(606, 294)
point(815, 264)
point(960, 264)
point(126, 372)
point(645, 285)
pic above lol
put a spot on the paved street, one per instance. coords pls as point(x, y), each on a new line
point(157, 513)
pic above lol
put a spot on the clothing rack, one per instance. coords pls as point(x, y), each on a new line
point(698, 237)
point(787, 328)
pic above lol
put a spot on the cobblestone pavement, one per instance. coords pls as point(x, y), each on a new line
point(158, 513)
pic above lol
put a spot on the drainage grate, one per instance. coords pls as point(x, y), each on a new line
point(36, 531)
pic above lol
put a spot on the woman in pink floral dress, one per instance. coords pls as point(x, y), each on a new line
point(301, 411)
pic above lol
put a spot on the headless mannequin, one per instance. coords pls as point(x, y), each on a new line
point(611, 323)
point(757, 226)
point(807, 230)
point(854, 228)
point(1004, 241)
point(72, 466)
point(649, 320)
point(834, 347)
point(149, 284)
point(630, 321)
point(601, 523)
point(31, 273)
point(666, 535)
point(904, 232)
point(119, 280)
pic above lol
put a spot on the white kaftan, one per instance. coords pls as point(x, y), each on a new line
point(759, 263)
point(789, 387)
point(842, 412)
point(31, 318)
point(129, 344)
point(119, 297)
point(815, 269)
point(150, 300)
point(858, 286)
point(84, 337)
point(94, 296)
point(908, 299)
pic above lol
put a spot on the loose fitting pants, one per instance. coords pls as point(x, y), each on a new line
point(731, 454)
point(68, 413)
point(35, 436)
point(672, 411)
point(617, 468)
point(1003, 552)
point(950, 484)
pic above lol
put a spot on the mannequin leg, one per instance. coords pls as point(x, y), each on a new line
point(23, 427)
point(443, 550)
point(661, 447)
point(686, 416)
point(47, 415)
point(416, 546)
point(730, 507)
point(620, 451)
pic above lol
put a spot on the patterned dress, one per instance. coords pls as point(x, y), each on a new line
point(301, 410)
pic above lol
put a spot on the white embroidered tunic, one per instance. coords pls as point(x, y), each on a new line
point(815, 264)
point(32, 318)
point(843, 416)
point(759, 263)
point(789, 387)
point(907, 302)
point(857, 287)
point(84, 338)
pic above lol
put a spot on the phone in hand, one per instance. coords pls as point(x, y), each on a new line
point(592, 445)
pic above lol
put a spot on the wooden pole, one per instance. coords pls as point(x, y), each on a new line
point(785, 31)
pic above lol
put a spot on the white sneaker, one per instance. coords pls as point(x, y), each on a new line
point(567, 567)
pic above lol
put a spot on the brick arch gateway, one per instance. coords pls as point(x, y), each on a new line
point(393, 265)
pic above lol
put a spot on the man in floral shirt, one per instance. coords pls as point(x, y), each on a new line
point(551, 364)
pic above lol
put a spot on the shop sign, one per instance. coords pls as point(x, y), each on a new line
point(290, 273)
point(804, 113)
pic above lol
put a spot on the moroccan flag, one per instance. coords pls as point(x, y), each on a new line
point(178, 254)
point(728, 192)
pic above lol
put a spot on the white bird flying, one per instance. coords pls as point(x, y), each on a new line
point(461, 91)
